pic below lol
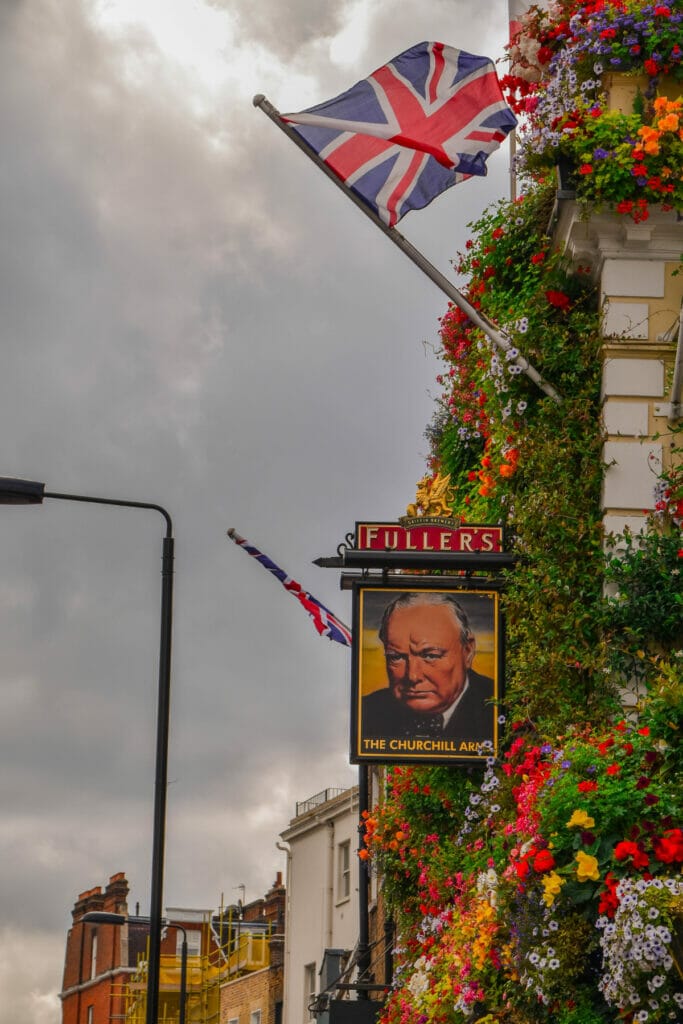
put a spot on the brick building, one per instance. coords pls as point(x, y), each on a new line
point(252, 989)
point(99, 959)
point(240, 948)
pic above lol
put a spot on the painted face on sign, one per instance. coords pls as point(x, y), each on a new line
point(427, 661)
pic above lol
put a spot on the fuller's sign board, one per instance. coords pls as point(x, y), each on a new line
point(428, 534)
point(427, 672)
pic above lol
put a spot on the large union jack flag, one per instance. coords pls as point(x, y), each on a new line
point(425, 121)
point(325, 621)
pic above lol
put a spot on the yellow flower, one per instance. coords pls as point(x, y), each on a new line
point(552, 883)
point(581, 820)
point(587, 869)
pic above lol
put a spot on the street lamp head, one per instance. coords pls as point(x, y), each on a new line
point(103, 917)
point(20, 492)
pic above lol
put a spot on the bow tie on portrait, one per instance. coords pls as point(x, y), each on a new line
point(429, 725)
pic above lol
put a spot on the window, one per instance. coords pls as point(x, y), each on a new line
point(309, 991)
point(344, 870)
point(194, 942)
point(93, 957)
point(255, 1017)
point(90, 1017)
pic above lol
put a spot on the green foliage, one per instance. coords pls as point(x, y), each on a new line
point(496, 894)
point(647, 606)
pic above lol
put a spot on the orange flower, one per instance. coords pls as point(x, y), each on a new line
point(668, 123)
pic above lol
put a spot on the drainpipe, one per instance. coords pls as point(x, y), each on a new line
point(675, 411)
point(286, 972)
point(329, 903)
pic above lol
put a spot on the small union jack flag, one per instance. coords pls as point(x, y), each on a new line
point(427, 120)
point(325, 621)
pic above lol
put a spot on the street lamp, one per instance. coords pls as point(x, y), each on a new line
point(105, 917)
point(30, 492)
point(183, 970)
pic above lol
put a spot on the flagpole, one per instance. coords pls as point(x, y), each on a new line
point(499, 338)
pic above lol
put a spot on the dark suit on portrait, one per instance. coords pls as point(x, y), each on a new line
point(385, 716)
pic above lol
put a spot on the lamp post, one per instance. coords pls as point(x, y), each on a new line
point(183, 970)
point(105, 917)
point(30, 492)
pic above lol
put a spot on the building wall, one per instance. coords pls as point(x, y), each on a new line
point(634, 265)
point(260, 991)
point(95, 963)
point(321, 913)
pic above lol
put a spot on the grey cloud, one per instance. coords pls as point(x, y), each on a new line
point(287, 29)
point(192, 315)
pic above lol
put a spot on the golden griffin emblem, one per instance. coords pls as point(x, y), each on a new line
point(432, 498)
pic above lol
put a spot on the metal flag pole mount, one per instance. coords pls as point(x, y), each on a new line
point(499, 337)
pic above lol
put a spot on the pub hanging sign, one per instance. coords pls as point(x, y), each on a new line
point(427, 672)
point(429, 534)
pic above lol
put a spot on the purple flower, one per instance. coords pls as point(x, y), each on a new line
point(600, 153)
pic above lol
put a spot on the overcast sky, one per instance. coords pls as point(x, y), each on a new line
point(191, 315)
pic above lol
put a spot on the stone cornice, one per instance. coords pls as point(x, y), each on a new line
point(614, 236)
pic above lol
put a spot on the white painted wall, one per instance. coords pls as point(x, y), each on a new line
point(318, 917)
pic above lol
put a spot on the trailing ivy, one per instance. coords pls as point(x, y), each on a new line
point(517, 457)
point(505, 880)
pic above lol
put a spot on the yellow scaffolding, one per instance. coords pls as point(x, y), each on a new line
point(235, 950)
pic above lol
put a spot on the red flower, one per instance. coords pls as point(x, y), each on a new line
point(586, 169)
point(522, 869)
point(544, 861)
point(613, 769)
point(558, 299)
point(651, 67)
point(497, 233)
point(587, 786)
point(625, 206)
point(662, 11)
point(645, 731)
point(538, 257)
point(669, 847)
point(626, 849)
point(643, 782)
point(608, 899)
